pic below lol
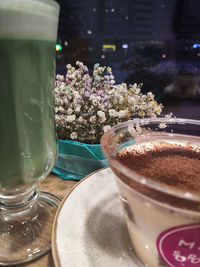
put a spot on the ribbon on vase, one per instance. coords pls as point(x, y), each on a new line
point(76, 160)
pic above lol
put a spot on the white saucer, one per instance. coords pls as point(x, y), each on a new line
point(89, 229)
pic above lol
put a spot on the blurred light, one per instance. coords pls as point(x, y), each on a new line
point(103, 56)
point(126, 17)
point(125, 46)
point(198, 54)
point(94, 9)
point(163, 56)
point(66, 43)
point(89, 32)
point(195, 45)
point(112, 10)
point(58, 47)
point(106, 10)
point(109, 47)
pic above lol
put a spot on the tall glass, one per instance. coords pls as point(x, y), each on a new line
point(28, 34)
point(163, 216)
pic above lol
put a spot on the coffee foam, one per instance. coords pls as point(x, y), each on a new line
point(172, 164)
point(29, 19)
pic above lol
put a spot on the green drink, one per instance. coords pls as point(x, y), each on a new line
point(27, 69)
point(28, 31)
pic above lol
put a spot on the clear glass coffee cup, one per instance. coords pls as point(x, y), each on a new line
point(163, 217)
point(28, 149)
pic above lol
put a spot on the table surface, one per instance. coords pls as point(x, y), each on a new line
point(60, 187)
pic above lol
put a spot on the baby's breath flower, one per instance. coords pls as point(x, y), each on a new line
point(88, 105)
point(60, 77)
point(70, 118)
point(123, 113)
point(73, 135)
point(106, 128)
point(112, 113)
point(69, 111)
point(77, 109)
point(93, 119)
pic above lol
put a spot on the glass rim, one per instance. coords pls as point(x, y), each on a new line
point(53, 3)
point(148, 182)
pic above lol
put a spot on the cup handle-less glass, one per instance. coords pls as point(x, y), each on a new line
point(152, 207)
point(28, 143)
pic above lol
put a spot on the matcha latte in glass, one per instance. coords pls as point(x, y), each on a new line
point(28, 32)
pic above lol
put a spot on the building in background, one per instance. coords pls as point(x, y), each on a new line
point(156, 42)
point(112, 30)
point(139, 39)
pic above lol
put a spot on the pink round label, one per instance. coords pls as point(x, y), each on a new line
point(180, 246)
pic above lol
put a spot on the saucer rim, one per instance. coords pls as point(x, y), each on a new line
point(55, 253)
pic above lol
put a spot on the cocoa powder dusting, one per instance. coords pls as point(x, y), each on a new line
point(170, 164)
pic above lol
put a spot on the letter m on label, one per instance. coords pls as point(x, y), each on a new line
point(187, 244)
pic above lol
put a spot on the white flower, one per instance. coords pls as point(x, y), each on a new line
point(93, 119)
point(69, 111)
point(121, 99)
point(113, 113)
point(87, 105)
point(106, 127)
point(162, 125)
point(93, 131)
point(122, 113)
point(77, 109)
point(102, 116)
point(150, 95)
point(111, 92)
point(62, 86)
point(60, 77)
point(168, 115)
point(58, 101)
point(70, 118)
point(95, 102)
point(61, 109)
point(80, 119)
point(131, 100)
point(65, 100)
point(100, 113)
point(69, 66)
point(73, 135)
point(131, 130)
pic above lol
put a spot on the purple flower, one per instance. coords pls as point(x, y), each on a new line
point(106, 103)
point(79, 99)
point(86, 88)
point(100, 92)
point(86, 95)
point(105, 98)
point(87, 81)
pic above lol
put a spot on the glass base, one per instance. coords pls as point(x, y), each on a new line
point(24, 238)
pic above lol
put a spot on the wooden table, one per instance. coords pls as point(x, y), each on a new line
point(60, 187)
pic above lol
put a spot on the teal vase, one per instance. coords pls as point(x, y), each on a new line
point(76, 160)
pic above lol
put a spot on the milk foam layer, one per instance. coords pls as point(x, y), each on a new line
point(28, 19)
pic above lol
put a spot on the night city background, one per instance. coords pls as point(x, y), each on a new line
point(156, 42)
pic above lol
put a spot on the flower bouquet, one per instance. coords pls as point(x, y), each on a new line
point(86, 105)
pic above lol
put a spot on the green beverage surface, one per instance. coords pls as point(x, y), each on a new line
point(27, 130)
